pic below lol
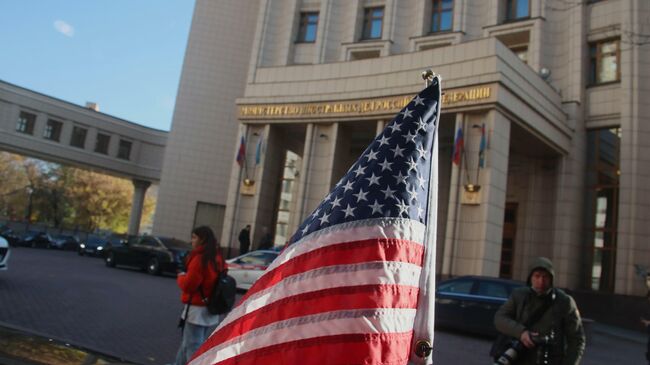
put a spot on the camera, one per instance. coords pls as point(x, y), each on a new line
point(517, 348)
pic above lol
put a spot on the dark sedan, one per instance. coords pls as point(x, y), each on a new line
point(96, 245)
point(65, 242)
point(151, 253)
point(468, 303)
point(36, 239)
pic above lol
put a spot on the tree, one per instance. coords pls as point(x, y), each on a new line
point(59, 195)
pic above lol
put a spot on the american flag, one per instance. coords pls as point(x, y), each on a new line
point(356, 283)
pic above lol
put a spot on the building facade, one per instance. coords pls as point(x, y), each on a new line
point(547, 94)
point(37, 125)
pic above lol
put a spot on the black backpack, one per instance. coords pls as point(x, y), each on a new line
point(223, 295)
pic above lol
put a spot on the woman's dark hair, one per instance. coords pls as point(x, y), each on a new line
point(206, 236)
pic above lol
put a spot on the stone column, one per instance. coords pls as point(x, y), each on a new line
point(304, 171)
point(139, 189)
point(453, 211)
point(473, 247)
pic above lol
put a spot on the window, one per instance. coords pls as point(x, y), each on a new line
point(601, 210)
point(490, 289)
point(53, 130)
point(604, 58)
point(26, 122)
point(442, 14)
point(78, 138)
point(517, 9)
point(149, 241)
point(308, 27)
point(258, 259)
point(457, 286)
point(101, 144)
point(372, 23)
point(124, 151)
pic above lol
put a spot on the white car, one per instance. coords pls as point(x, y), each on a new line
point(247, 268)
point(4, 254)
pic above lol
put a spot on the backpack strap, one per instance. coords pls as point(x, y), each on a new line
point(539, 313)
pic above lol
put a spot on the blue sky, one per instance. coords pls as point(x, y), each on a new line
point(125, 55)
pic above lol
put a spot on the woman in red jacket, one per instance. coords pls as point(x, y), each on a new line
point(204, 263)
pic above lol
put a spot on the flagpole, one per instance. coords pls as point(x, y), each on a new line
point(424, 344)
point(233, 229)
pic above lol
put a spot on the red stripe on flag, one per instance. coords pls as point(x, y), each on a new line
point(327, 300)
point(347, 253)
point(366, 349)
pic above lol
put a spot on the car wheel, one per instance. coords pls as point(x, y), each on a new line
point(81, 253)
point(110, 260)
point(153, 266)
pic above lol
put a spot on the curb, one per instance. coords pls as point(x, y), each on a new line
point(64, 342)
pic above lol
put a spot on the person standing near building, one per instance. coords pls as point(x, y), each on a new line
point(245, 239)
point(204, 263)
point(553, 313)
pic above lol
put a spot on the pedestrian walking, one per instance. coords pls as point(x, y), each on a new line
point(204, 263)
point(245, 239)
point(544, 319)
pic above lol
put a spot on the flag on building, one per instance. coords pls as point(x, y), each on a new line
point(482, 147)
point(258, 152)
point(241, 154)
point(356, 283)
point(459, 144)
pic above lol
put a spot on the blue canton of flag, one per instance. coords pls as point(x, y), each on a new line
point(391, 178)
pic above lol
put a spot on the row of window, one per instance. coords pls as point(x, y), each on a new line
point(27, 121)
point(442, 12)
point(604, 56)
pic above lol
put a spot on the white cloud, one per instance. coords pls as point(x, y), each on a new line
point(64, 28)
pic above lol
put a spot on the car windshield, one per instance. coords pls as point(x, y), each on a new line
point(175, 243)
point(117, 240)
point(258, 258)
point(96, 240)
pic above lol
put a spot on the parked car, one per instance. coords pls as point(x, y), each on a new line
point(468, 303)
point(247, 268)
point(94, 245)
point(12, 237)
point(4, 254)
point(151, 253)
point(65, 242)
point(17, 346)
point(36, 239)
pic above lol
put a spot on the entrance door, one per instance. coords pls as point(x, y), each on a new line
point(508, 241)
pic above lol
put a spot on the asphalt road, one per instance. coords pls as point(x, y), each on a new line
point(133, 315)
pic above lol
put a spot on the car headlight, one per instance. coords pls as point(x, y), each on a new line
point(99, 248)
point(82, 245)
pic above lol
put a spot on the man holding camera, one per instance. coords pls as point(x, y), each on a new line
point(544, 319)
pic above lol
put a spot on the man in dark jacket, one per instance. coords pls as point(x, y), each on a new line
point(245, 239)
point(558, 317)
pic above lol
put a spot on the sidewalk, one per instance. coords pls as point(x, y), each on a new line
point(613, 331)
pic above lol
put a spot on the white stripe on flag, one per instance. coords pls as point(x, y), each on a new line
point(400, 228)
point(387, 320)
point(367, 273)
